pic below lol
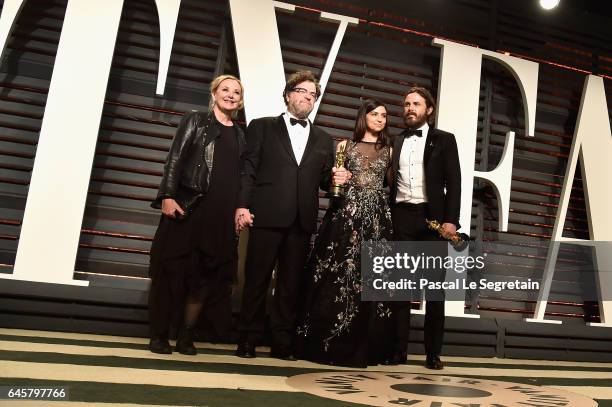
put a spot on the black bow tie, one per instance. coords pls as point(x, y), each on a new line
point(293, 122)
point(409, 133)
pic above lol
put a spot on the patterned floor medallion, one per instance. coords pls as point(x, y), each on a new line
point(416, 390)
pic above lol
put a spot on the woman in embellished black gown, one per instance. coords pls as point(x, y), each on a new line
point(337, 327)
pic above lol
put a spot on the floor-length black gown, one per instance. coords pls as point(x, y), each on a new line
point(200, 252)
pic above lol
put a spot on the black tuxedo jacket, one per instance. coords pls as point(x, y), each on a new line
point(273, 186)
point(442, 175)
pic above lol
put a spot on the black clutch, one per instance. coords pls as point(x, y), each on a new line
point(188, 201)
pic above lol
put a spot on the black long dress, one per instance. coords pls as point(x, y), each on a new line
point(200, 252)
point(337, 327)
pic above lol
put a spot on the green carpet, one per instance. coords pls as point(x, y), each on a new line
point(99, 369)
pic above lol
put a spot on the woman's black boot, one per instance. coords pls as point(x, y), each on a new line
point(184, 342)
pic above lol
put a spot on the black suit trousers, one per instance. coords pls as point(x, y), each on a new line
point(409, 225)
point(267, 245)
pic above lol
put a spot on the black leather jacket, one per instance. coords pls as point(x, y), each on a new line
point(190, 159)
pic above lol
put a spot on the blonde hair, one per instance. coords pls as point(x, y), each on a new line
point(214, 85)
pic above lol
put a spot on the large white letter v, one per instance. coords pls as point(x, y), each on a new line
point(259, 54)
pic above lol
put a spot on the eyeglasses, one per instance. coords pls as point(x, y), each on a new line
point(303, 91)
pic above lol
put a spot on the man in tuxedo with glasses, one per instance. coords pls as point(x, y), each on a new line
point(426, 185)
point(287, 160)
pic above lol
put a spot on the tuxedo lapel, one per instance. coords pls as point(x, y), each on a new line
point(398, 142)
point(309, 144)
point(430, 144)
point(283, 136)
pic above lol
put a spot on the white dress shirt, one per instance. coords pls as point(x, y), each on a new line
point(298, 136)
point(411, 177)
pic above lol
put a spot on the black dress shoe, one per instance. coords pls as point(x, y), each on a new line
point(396, 359)
point(433, 362)
point(283, 354)
point(245, 350)
point(184, 341)
point(160, 345)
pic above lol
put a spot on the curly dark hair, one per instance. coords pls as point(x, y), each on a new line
point(298, 77)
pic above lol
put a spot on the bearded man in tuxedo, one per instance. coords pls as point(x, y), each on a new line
point(287, 160)
point(425, 185)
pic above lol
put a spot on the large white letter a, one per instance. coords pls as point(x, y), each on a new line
point(593, 143)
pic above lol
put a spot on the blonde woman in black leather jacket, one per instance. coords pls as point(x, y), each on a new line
point(194, 250)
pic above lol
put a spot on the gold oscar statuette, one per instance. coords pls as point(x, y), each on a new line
point(337, 191)
point(459, 240)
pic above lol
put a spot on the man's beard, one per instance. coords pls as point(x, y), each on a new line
point(300, 111)
point(415, 123)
